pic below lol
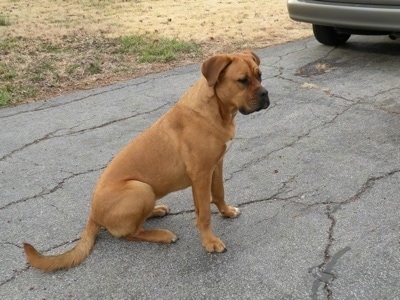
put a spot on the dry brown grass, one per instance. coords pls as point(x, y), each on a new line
point(52, 47)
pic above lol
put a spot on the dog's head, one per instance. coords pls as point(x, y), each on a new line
point(236, 79)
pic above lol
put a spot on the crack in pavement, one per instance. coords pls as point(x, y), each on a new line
point(10, 244)
point(323, 125)
point(16, 274)
point(53, 134)
point(378, 106)
point(274, 197)
point(326, 267)
point(45, 103)
point(113, 121)
point(46, 191)
point(323, 273)
point(43, 138)
point(368, 184)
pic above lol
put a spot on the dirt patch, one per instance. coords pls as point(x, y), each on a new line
point(52, 47)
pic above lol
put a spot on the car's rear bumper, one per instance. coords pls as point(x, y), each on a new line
point(361, 17)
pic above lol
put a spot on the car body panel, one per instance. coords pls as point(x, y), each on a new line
point(370, 2)
point(350, 14)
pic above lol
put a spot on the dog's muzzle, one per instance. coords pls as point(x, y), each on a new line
point(260, 102)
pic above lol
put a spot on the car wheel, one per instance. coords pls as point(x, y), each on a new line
point(329, 36)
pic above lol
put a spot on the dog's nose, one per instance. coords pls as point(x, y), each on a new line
point(263, 93)
point(264, 99)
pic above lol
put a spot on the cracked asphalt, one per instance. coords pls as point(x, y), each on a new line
point(317, 178)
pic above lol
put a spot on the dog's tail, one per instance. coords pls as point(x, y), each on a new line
point(68, 259)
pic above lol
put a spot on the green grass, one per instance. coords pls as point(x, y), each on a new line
point(11, 94)
point(156, 49)
point(49, 47)
point(7, 72)
point(4, 21)
point(9, 44)
point(94, 68)
point(5, 96)
point(72, 68)
point(39, 70)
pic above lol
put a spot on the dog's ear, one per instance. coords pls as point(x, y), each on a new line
point(256, 58)
point(253, 56)
point(213, 67)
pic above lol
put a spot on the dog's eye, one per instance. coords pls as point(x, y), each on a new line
point(243, 81)
point(260, 76)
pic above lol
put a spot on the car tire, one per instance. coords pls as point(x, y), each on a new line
point(329, 35)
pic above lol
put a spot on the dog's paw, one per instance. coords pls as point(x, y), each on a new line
point(215, 245)
point(160, 211)
point(173, 238)
point(231, 212)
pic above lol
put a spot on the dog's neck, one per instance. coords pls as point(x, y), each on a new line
point(221, 114)
point(227, 115)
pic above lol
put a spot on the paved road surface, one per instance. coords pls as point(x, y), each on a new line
point(317, 177)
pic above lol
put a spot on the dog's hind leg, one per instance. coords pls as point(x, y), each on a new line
point(154, 235)
point(126, 217)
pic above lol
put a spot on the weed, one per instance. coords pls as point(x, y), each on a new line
point(7, 72)
point(15, 93)
point(131, 43)
point(29, 92)
point(8, 45)
point(157, 49)
point(5, 96)
point(46, 66)
point(39, 71)
point(71, 69)
point(4, 21)
point(94, 68)
point(49, 47)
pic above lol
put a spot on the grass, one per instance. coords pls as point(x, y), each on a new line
point(4, 21)
point(5, 96)
point(9, 44)
point(156, 49)
point(38, 68)
point(94, 68)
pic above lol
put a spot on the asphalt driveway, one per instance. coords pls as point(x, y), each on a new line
point(317, 178)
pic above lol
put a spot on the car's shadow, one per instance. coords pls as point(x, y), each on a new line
point(373, 44)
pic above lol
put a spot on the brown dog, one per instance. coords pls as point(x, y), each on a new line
point(183, 148)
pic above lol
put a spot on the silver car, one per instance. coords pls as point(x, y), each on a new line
point(334, 21)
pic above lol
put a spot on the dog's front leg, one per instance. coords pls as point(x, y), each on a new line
point(201, 189)
point(218, 193)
